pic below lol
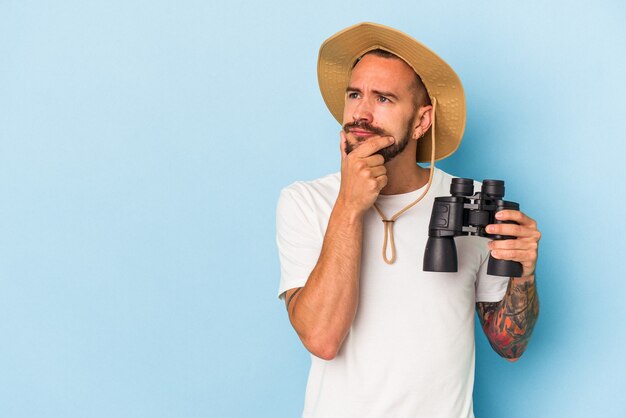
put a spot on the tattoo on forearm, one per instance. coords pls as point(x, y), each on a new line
point(291, 297)
point(509, 323)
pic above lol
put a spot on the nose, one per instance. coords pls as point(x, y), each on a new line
point(362, 112)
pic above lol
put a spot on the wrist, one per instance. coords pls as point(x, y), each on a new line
point(348, 213)
point(524, 280)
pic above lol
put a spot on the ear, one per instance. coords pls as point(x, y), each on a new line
point(423, 119)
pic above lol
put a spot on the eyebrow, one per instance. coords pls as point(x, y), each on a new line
point(377, 92)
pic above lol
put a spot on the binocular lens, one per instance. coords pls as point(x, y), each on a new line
point(440, 255)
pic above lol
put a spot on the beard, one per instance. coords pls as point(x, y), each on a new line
point(389, 152)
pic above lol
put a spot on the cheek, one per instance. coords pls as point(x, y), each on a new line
point(347, 113)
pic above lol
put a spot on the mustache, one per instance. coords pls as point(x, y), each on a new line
point(364, 125)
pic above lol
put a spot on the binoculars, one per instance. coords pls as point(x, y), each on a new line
point(467, 213)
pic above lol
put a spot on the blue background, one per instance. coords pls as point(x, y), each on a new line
point(143, 145)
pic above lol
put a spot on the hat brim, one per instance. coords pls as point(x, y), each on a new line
point(339, 53)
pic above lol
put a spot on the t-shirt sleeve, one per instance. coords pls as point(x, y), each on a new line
point(299, 243)
point(489, 288)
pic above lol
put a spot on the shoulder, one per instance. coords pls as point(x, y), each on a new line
point(313, 192)
point(307, 203)
point(441, 182)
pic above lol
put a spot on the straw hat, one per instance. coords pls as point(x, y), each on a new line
point(339, 53)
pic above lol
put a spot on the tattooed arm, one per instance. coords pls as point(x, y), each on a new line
point(509, 323)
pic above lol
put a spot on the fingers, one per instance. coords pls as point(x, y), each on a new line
point(517, 216)
point(524, 249)
point(526, 227)
point(526, 257)
point(382, 181)
point(513, 230)
point(368, 153)
point(369, 172)
point(374, 160)
point(372, 145)
point(377, 171)
point(513, 244)
point(342, 144)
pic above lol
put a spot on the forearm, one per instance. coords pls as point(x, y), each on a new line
point(323, 311)
point(509, 324)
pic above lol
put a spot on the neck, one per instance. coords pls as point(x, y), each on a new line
point(404, 175)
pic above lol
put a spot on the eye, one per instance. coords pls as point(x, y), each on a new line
point(383, 99)
point(353, 95)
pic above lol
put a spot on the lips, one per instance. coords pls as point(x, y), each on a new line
point(362, 130)
point(361, 133)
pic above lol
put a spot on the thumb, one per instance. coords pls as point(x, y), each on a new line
point(342, 144)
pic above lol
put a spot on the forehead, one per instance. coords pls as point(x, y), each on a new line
point(377, 72)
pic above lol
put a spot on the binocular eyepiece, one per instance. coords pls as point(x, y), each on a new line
point(467, 213)
point(465, 187)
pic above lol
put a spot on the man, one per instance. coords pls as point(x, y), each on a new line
point(388, 339)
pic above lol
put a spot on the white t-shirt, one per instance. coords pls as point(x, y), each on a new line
point(410, 349)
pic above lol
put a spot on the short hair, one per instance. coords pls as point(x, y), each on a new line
point(420, 94)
